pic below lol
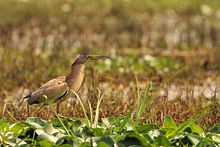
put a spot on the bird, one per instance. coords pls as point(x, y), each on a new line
point(59, 88)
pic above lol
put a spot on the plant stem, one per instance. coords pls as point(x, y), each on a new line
point(50, 105)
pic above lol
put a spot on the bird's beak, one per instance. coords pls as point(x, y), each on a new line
point(97, 57)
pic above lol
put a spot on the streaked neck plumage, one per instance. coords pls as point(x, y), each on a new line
point(76, 76)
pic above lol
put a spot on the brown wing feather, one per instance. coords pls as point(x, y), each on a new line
point(53, 89)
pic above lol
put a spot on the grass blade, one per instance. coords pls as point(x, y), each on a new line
point(190, 120)
point(144, 102)
point(125, 120)
point(61, 122)
point(91, 113)
point(83, 107)
point(97, 107)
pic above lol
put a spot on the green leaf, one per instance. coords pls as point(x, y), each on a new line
point(106, 139)
point(196, 128)
point(85, 144)
point(37, 122)
point(216, 128)
point(50, 130)
point(108, 122)
point(125, 120)
point(169, 122)
point(132, 138)
point(189, 121)
point(120, 137)
point(87, 131)
point(65, 140)
point(146, 128)
point(45, 143)
point(66, 145)
point(45, 136)
point(14, 141)
point(56, 123)
point(205, 144)
point(103, 144)
point(97, 131)
point(194, 140)
point(162, 141)
point(76, 124)
point(4, 124)
point(147, 137)
point(20, 128)
point(169, 125)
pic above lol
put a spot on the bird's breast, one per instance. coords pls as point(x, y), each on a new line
point(76, 77)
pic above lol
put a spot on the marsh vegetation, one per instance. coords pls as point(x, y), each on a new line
point(171, 46)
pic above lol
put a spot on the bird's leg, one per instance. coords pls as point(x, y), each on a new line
point(38, 109)
point(73, 106)
point(28, 110)
point(58, 106)
point(20, 103)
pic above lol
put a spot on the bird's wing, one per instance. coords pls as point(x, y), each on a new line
point(54, 89)
point(53, 82)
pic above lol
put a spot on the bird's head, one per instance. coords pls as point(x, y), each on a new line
point(83, 58)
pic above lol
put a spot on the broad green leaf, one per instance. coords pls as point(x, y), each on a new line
point(106, 139)
point(133, 139)
point(194, 140)
point(56, 123)
point(4, 125)
point(169, 122)
point(14, 141)
point(50, 130)
point(196, 128)
point(87, 131)
point(103, 144)
point(97, 131)
point(189, 121)
point(20, 128)
point(85, 144)
point(66, 145)
point(145, 128)
point(162, 141)
point(146, 136)
point(65, 140)
point(204, 143)
point(45, 143)
point(76, 124)
point(169, 125)
point(120, 137)
point(108, 121)
point(60, 135)
point(216, 128)
point(124, 121)
point(37, 122)
point(181, 140)
point(168, 130)
point(45, 136)
point(216, 137)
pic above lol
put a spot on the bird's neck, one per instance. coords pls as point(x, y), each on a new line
point(76, 76)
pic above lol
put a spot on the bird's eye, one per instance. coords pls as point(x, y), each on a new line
point(59, 83)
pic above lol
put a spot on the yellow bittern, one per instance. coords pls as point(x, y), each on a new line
point(59, 89)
